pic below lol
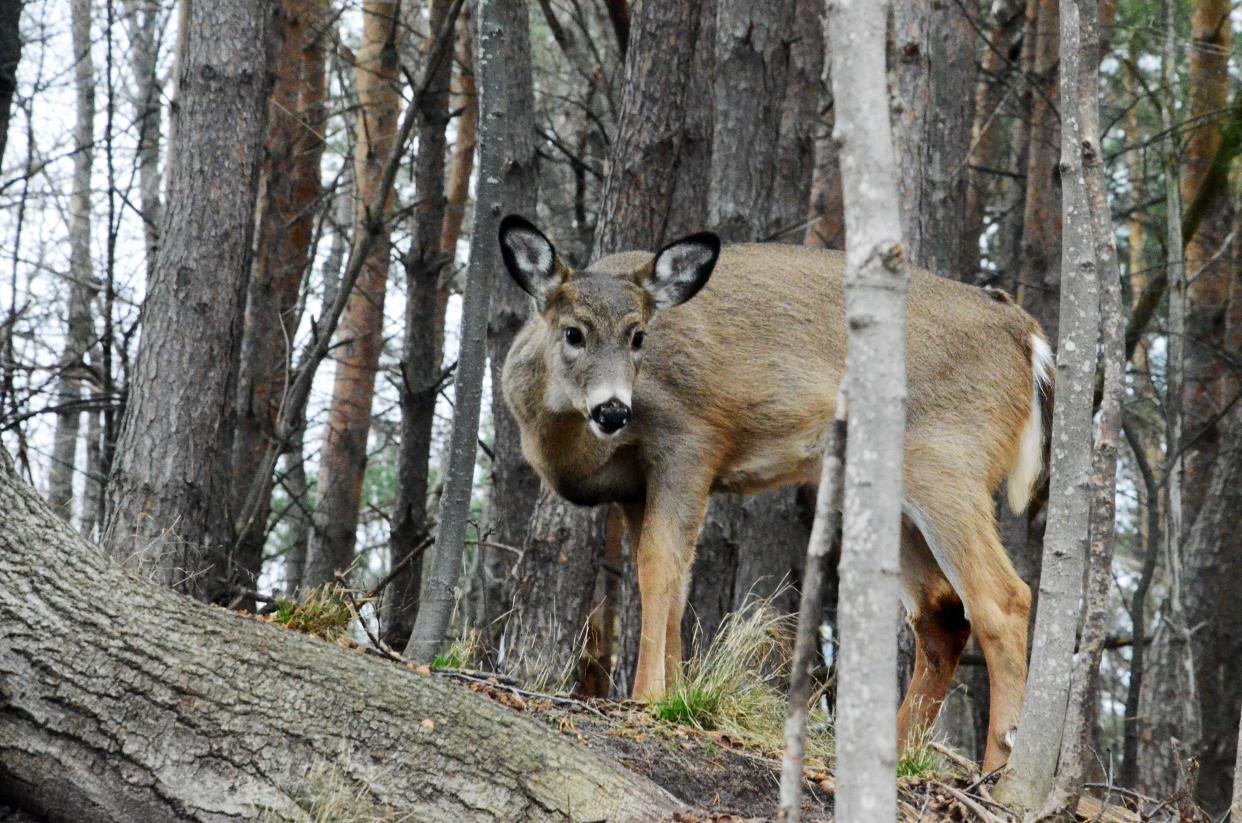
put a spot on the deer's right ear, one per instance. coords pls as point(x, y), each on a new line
point(529, 257)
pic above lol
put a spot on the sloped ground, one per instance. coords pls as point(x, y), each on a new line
point(726, 778)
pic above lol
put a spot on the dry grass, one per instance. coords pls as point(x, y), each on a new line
point(738, 686)
point(322, 612)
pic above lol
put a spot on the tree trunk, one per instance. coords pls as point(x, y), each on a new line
point(825, 215)
point(752, 62)
point(656, 189)
point(147, 19)
point(1032, 766)
point(875, 293)
point(1039, 259)
point(10, 54)
point(747, 549)
point(1212, 548)
point(81, 277)
point(1169, 702)
point(795, 149)
point(1078, 737)
point(423, 348)
point(170, 487)
point(288, 191)
point(515, 486)
point(988, 144)
point(935, 80)
point(125, 702)
point(502, 30)
point(360, 335)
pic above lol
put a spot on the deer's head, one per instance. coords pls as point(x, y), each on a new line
point(592, 325)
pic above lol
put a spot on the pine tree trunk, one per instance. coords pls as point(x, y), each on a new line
point(170, 487)
point(875, 294)
point(1032, 766)
point(423, 348)
point(124, 701)
point(81, 277)
point(343, 460)
point(288, 191)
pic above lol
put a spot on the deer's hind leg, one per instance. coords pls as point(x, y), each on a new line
point(940, 631)
point(961, 535)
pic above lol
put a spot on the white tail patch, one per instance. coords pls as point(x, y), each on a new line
point(1021, 481)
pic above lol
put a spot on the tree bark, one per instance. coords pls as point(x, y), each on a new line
point(10, 54)
point(360, 335)
point(81, 277)
point(515, 486)
point(1210, 383)
point(170, 487)
point(656, 189)
point(1032, 765)
point(795, 150)
point(1078, 737)
point(500, 23)
point(875, 293)
point(124, 701)
point(826, 215)
point(1040, 255)
point(288, 191)
point(935, 80)
point(1169, 702)
point(749, 546)
point(422, 351)
point(146, 20)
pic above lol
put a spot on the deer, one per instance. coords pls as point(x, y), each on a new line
point(651, 381)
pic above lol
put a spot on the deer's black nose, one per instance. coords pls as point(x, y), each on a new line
point(611, 416)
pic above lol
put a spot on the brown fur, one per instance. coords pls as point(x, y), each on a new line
point(735, 390)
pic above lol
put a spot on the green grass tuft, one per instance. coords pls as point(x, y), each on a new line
point(738, 685)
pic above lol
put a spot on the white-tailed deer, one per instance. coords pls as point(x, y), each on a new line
point(628, 391)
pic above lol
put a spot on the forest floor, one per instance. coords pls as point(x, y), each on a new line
point(725, 776)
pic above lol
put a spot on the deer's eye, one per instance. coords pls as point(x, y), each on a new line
point(573, 336)
point(636, 342)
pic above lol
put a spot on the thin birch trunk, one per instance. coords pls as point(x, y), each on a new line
point(1078, 736)
point(1033, 764)
point(81, 276)
point(875, 293)
point(810, 614)
point(443, 569)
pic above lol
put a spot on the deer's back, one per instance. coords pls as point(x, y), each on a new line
point(757, 357)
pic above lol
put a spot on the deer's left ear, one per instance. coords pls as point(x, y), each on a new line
point(529, 257)
point(681, 269)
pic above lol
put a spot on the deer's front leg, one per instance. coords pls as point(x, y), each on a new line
point(665, 553)
point(658, 582)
